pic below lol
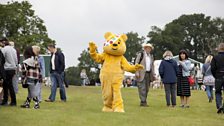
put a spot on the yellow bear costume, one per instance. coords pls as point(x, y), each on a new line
point(112, 72)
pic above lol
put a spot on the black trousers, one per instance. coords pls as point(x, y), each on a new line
point(219, 87)
point(8, 86)
point(170, 91)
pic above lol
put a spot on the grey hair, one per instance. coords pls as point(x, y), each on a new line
point(167, 53)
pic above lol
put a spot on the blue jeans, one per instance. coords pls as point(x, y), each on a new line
point(56, 79)
point(209, 91)
point(219, 86)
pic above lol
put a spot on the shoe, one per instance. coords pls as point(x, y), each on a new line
point(48, 100)
point(36, 101)
point(220, 110)
point(63, 100)
point(36, 106)
point(25, 105)
point(4, 104)
point(182, 106)
point(12, 104)
point(210, 100)
point(144, 105)
point(187, 106)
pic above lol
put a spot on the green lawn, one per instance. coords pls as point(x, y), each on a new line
point(84, 104)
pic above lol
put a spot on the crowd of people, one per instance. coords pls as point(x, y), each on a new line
point(33, 74)
point(175, 77)
point(174, 74)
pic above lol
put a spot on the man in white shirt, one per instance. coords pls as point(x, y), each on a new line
point(145, 76)
point(57, 67)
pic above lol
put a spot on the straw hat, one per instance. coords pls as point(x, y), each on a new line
point(148, 45)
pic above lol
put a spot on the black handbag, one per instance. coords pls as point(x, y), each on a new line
point(24, 83)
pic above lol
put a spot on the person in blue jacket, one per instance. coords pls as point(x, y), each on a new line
point(168, 71)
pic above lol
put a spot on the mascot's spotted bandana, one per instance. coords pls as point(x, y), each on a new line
point(112, 72)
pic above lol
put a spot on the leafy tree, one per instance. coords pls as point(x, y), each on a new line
point(133, 44)
point(19, 23)
point(196, 33)
point(73, 76)
point(216, 33)
point(86, 62)
point(196, 29)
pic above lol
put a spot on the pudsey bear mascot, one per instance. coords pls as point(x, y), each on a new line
point(112, 72)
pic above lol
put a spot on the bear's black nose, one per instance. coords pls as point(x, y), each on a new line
point(114, 44)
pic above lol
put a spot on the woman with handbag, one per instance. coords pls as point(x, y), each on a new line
point(31, 75)
point(209, 80)
point(183, 86)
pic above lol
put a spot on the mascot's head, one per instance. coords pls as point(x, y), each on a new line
point(115, 44)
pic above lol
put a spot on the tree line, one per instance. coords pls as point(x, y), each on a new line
point(19, 23)
point(197, 33)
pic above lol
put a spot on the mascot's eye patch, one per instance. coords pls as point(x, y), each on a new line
point(112, 41)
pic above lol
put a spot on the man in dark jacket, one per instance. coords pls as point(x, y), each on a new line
point(217, 68)
point(57, 66)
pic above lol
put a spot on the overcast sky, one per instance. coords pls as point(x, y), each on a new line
point(73, 23)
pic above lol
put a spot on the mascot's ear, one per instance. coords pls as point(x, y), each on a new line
point(124, 37)
point(108, 35)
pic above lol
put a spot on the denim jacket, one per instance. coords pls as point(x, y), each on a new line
point(186, 67)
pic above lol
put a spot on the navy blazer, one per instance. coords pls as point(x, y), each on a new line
point(59, 62)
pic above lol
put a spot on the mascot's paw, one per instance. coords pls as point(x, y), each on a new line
point(139, 67)
point(106, 109)
point(92, 47)
point(119, 110)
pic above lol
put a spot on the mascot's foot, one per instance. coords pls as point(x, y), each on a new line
point(119, 110)
point(106, 109)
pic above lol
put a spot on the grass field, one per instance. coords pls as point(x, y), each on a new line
point(84, 104)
